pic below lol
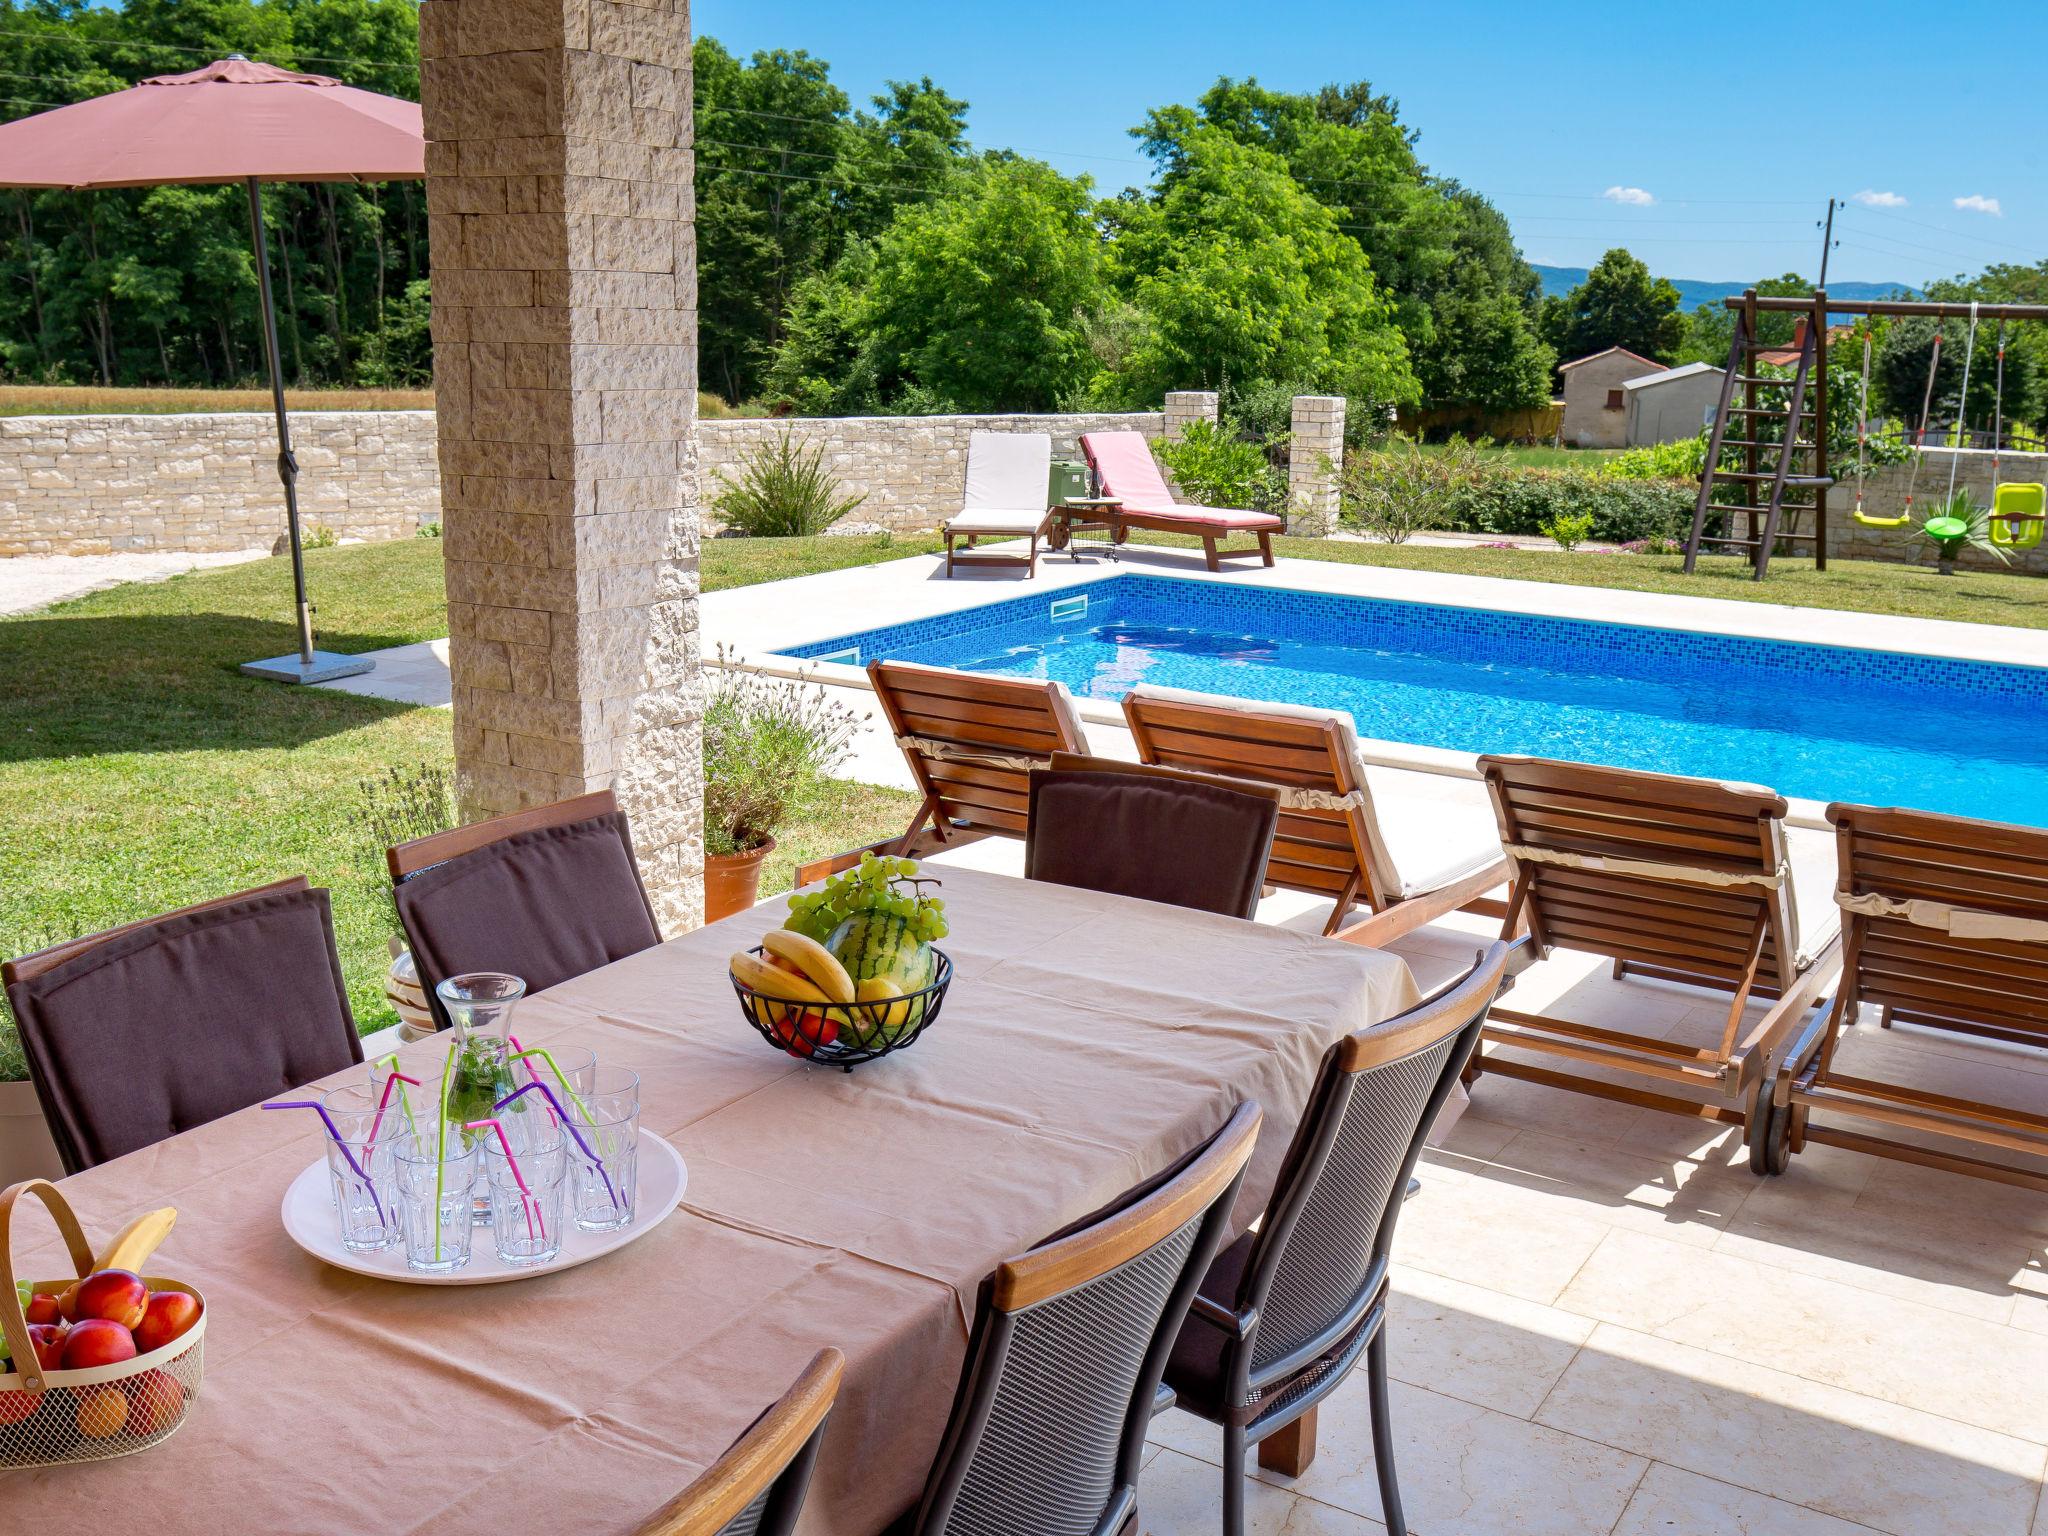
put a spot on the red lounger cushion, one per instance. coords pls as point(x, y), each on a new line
point(1124, 464)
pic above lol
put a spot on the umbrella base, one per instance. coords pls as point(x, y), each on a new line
point(326, 667)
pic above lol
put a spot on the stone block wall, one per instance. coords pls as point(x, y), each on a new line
point(1315, 463)
point(100, 485)
point(1884, 495)
point(912, 470)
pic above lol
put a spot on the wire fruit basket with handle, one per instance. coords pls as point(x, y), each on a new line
point(846, 1034)
point(51, 1417)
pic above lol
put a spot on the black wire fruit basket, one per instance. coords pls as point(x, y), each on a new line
point(846, 1034)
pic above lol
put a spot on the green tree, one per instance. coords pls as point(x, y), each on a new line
point(1241, 275)
point(983, 298)
point(1710, 330)
point(1618, 305)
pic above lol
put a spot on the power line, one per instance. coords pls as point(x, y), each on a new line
point(1957, 234)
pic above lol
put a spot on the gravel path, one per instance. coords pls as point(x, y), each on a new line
point(29, 582)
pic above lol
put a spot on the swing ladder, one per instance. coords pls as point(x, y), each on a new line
point(1751, 498)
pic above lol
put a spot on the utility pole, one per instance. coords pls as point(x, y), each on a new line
point(1827, 240)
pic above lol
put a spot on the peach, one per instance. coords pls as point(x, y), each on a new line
point(168, 1315)
point(101, 1412)
point(97, 1341)
point(19, 1407)
point(42, 1308)
point(47, 1340)
point(155, 1401)
point(117, 1295)
point(67, 1302)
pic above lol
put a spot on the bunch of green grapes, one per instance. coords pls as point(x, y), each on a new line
point(876, 884)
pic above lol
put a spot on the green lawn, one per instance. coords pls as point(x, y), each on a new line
point(141, 771)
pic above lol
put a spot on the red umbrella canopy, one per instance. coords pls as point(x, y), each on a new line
point(229, 121)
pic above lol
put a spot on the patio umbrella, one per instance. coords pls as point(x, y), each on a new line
point(233, 120)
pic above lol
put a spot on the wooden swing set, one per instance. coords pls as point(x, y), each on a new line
point(1777, 431)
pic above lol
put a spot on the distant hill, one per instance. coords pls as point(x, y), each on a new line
point(1692, 292)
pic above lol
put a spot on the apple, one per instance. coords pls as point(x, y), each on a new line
point(67, 1302)
point(102, 1411)
point(97, 1341)
point(117, 1295)
point(155, 1401)
point(47, 1340)
point(42, 1308)
point(19, 1407)
point(168, 1315)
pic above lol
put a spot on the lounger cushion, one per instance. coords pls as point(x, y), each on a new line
point(997, 520)
point(1125, 468)
point(1008, 470)
point(1198, 518)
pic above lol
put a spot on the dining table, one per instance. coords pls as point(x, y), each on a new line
point(1087, 1041)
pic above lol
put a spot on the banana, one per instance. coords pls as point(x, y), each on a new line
point(812, 958)
point(772, 981)
point(133, 1245)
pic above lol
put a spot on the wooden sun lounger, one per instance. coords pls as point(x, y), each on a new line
point(1945, 927)
point(1127, 473)
point(1005, 498)
point(1329, 842)
point(971, 743)
point(1680, 879)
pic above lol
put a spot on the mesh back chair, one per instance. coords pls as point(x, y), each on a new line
point(1285, 1312)
point(1682, 879)
point(757, 1487)
point(1159, 834)
point(971, 742)
point(1069, 1341)
point(1946, 929)
point(546, 895)
point(207, 1010)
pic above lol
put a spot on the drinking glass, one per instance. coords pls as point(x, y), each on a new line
point(526, 1223)
point(604, 1196)
point(361, 1176)
point(434, 1201)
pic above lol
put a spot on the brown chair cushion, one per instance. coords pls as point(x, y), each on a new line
point(1195, 1369)
point(182, 1021)
point(1195, 845)
point(546, 906)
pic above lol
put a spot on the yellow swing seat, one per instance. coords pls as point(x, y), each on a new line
point(1871, 520)
point(2019, 513)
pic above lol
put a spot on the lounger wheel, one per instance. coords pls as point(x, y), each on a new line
point(1769, 1134)
point(1057, 536)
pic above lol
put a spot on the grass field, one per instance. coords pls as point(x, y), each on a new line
point(1542, 456)
point(90, 400)
point(142, 772)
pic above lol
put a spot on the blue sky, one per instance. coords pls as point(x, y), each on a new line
point(1590, 125)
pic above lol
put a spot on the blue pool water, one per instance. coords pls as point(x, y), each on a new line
point(1821, 722)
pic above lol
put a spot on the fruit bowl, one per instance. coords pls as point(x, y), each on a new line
point(95, 1412)
point(845, 1034)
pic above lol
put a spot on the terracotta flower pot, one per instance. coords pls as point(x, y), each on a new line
point(732, 881)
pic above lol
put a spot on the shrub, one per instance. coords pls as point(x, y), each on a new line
point(427, 531)
point(1216, 469)
point(1463, 490)
point(1569, 529)
point(767, 743)
point(317, 537)
point(1398, 491)
point(784, 490)
point(1681, 460)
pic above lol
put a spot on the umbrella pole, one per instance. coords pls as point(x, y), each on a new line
point(307, 667)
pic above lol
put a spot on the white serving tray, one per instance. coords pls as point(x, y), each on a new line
point(310, 1220)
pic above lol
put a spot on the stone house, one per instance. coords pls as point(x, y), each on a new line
point(1595, 405)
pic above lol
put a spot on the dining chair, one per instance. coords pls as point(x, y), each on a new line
point(1048, 1424)
point(1160, 834)
point(757, 1487)
point(545, 894)
point(157, 1026)
point(1285, 1312)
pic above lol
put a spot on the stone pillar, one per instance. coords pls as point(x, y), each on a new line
point(565, 332)
point(1188, 405)
point(1315, 462)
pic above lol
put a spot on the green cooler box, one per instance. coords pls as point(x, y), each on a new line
point(1071, 480)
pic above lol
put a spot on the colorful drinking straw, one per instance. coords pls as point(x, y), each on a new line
point(393, 1081)
point(520, 1053)
point(570, 1125)
point(526, 1201)
point(321, 1110)
point(390, 1064)
point(441, 1146)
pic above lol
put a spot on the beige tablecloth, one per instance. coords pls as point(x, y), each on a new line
point(1087, 1041)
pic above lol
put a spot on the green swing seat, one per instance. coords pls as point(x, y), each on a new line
point(2019, 513)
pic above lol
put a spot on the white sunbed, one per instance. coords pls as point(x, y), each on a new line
point(1008, 474)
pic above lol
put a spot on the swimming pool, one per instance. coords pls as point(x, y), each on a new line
point(1816, 721)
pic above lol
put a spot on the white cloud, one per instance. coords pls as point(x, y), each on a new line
point(1975, 204)
point(1871, 199)
point(1635, 197)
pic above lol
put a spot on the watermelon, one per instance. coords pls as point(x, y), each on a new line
point(877, 946)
